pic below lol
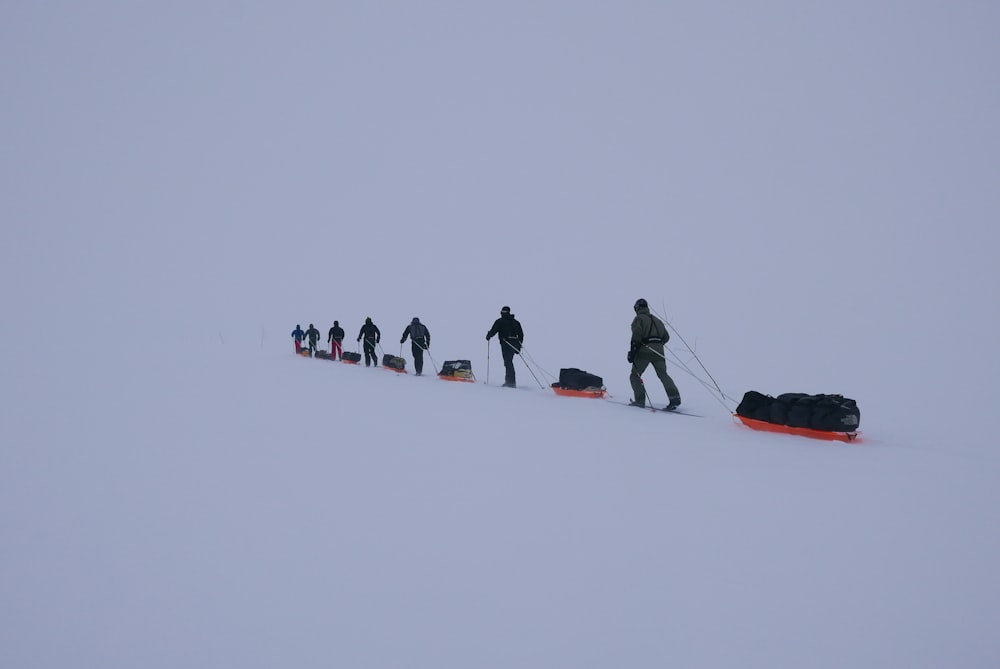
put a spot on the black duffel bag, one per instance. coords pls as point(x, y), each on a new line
point(577, 379)
point(827, 413)
point(393, 361)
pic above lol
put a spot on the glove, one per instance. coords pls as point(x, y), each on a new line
point(630, 356)
point(487, 337)
point(401, 341)
point(359, 339)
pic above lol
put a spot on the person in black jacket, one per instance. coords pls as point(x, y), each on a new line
point(312, 334)
point(510, 335)
point(372, 335)
point(420, 341)
point(334, 338)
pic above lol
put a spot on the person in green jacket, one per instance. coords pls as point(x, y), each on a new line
point(649, 335)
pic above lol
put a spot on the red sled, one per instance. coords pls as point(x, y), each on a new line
point(593, 393)
point(825, 435)
point(456, 378)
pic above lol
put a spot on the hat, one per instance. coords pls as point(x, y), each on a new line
point(505, 310)
point(416, 320)
point(640, 304)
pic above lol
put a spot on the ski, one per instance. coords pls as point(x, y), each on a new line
point(655, 410)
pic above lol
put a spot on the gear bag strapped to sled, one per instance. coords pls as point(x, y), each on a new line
point(457, 370)
point(801, 413)
point(394, 362)
point(578, 383)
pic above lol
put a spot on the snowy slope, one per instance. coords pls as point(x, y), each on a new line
point(261, 509)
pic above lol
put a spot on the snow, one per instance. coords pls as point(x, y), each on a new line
point(806, 193)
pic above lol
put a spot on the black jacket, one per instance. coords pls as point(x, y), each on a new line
point(336, 334)
point(507, 329)
point(419, 333)
point(312, 334)
point(371, 334)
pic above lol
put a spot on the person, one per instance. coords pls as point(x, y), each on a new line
point(313, 335)
point(511, 336)
point(420, 341)
point(370, 333)
point(334, 337)
point(298, 335)
point(649, 335)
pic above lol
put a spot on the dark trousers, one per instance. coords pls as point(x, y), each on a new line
point(508, 353)
point(370, 353)
point(647, 357)
point(418, 357)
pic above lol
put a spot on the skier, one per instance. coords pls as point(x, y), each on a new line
point(420, 341)
point(313, 335)
point(334, 338)
point(649, 335)
point(372, 336)
point(298, 335)
point(510, 336)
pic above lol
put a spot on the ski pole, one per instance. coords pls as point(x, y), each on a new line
point(525, 361)
point(487, 382)
point(427, 350)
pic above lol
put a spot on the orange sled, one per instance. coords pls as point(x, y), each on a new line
point(462, 379)
point(799, 431)
point(594, 393)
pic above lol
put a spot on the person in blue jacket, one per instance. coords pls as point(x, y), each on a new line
point(298, 335)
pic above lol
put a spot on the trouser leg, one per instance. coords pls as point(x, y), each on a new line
point(418, 358)
point(660, 366)
point(635, 379)
point(508, 365)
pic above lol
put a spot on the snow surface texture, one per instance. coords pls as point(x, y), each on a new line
point(808, 193)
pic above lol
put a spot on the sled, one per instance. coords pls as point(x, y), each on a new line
point(595, 393)
point(799, 431)
point(304, 352)
point(350, 358)
point(456, 377)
